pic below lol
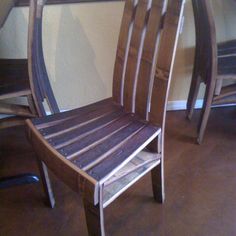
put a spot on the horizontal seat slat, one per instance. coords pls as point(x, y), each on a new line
point(124, 153)
point(15, 109)
point(56, 118)
point(11, 122)
point(14, 79)
point(99, 152)
point(73, 135)
point(146, 134)
point(226, 91)
point(227, 48)
point(132, 166)
point(14, 90)
point(227, 65)
point(7, 81)
point(76, 121)
point(91, 140)
point(229, 100)
point(13, 68)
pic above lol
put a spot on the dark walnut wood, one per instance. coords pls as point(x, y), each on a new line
point(213, 64)
point(102, 149)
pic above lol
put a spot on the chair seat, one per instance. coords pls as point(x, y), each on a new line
point(227, 48)
point(227, 95)
point(14, 80)
point(99, 139)
point(14, 90)
point(227, 58)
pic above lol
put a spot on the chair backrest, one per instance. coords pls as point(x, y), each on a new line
point(206, 44)
point(144, 61)
point(5, 8)
point(39, 81)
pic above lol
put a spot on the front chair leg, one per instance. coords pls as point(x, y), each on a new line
point(205, 113)
point(94, 218)
point(158, 183)
point(46, 183)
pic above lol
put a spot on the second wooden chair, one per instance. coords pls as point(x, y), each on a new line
point(25, 77)
point(213, 64)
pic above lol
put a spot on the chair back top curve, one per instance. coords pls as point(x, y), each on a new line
point(5, 8)
point(206, 43)
point(39, 81)
point(144, 61)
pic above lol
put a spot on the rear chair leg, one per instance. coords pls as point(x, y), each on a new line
point(46, 183)
point(94, 218)
point(209, 94)
point(192, 97)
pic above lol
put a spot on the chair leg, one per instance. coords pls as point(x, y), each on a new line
point(94, 218)
point(219, 84)
point(192, 97)
point(46, 184)
point(158, 183)
point(205, 112)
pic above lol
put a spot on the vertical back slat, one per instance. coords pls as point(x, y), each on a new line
point(134, 56)
point(39, 82)
point(165, 62)
point(148, 60)
point(43, 76)
point(35, 87)
point(208, 40)
point(202, 37)
point(122, 50)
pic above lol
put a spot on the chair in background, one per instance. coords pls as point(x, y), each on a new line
point(213, 64)
point(102, 149)
point(25, 78)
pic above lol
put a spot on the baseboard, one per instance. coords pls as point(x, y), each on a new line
point(181, 105)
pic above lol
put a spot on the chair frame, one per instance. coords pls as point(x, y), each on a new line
point(209, 66)
point(31, 71)
point(142, 73)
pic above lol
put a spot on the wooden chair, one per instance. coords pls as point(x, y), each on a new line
point(213, 64)
point(26, 77)
point(102, 149)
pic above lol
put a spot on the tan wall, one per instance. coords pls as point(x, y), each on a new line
point(80, 44)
